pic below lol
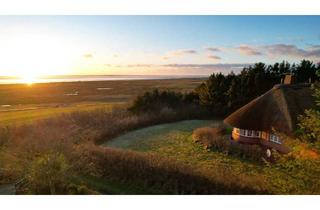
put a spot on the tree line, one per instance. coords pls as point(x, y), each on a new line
point(221, 94)
point(225, 93)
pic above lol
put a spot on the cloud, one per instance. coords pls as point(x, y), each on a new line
point(224, 68)
point(315, 46)
point(139, 65)
point(289, 50)
point(293, 51)
point(213, 49)
point(214, 57)
point(182, 52)
point(88, 55)
point(248, 50)
point(165, 57)
point(178, 53)
point(213, 67)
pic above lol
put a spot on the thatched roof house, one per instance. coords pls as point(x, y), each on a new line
point(278, 109)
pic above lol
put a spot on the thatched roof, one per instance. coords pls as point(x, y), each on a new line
point(276, 109)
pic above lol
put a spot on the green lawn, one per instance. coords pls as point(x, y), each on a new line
point(174, 140)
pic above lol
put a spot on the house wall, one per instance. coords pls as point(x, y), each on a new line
point(265, 136)
point(243, 139)
point(263, 141)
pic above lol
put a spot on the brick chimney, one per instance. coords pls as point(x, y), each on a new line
point(289, 79)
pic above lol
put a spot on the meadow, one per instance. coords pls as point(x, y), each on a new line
point(22, 103)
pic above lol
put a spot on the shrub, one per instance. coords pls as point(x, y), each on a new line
point(309, 122)
point(157, 100)
point(303, 172)
point(211, 137)
point(215, 138)
point(48, 174)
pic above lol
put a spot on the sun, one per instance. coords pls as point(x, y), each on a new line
point(32, 54)
point(29, 79)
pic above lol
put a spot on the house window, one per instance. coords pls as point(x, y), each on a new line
point(247, 133)
point(274, 138)
point(257, 134)
point(243, 132)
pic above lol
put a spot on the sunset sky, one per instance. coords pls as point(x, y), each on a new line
point(161, 45)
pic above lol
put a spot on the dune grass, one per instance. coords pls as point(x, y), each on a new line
point(28, 114)
point(115, 187)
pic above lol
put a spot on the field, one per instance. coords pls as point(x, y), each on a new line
point(21, 103)
point(101, 91)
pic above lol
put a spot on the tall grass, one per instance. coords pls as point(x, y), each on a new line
point(165, 175)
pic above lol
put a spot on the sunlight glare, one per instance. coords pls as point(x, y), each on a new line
point(30, 55)
point(29, 79)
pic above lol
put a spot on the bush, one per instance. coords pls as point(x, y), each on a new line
point(309, 122)
point(48, 174)
point(211, 138)
point(156, 100)
point(303, 172)
point(215, 138)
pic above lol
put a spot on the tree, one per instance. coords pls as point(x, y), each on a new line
point(306, 71)
point(310, 121)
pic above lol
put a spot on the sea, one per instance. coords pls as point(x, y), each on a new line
point(83, 78)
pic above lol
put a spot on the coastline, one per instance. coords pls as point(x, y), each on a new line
point(98, 78)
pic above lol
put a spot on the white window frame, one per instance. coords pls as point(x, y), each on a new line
point(257, 134)
point(247, 133)
point(274, 138)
